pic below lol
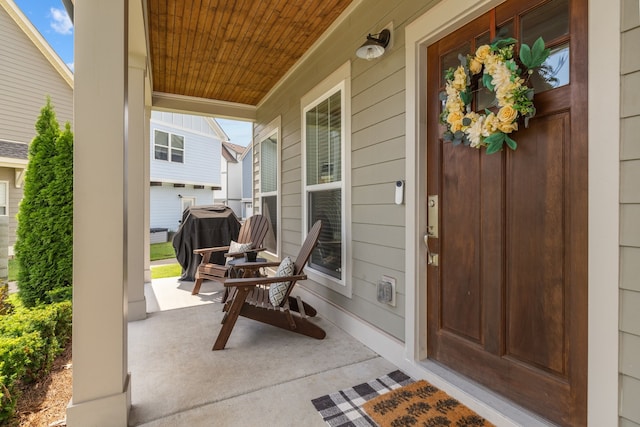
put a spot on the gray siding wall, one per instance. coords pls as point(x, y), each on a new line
point(377, 155)
point(630, 216)
point(26, 78)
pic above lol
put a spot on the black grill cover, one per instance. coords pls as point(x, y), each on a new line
point(203, 227)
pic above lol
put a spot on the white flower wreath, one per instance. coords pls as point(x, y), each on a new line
point(501, 75)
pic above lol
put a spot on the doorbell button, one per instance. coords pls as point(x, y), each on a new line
point(399, 192)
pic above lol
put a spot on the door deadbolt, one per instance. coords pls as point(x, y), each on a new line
point(432, 216)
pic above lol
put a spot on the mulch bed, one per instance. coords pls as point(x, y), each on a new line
point(44, 403)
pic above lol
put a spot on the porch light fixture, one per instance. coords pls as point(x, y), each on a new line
point(374, 46)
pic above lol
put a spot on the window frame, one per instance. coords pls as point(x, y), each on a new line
point(6, 198)
point(169, 146)
point(186, 201)
point(339, 80)
point(271, 129)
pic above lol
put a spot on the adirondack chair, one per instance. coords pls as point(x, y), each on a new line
point(249, 297)
point(253, 231)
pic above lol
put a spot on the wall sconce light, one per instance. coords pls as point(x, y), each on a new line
point(374, 46)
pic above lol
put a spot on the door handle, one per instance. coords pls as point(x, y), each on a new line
point(432, 259)
point(432, 228)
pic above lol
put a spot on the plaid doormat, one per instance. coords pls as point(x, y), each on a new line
point(344, 408)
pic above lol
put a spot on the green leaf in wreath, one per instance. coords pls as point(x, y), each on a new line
point(525, 55)
point(448, 76)
point(494, 147)
point(458, 134)
point(510, 142)
point(529, 94)
point(457, 141)
point(499, 44)
point(443, 96)
point(495, 137)
point(466, 97)
point(466, 121)
point(486, 81)
point(538, 53)
point(447, 136)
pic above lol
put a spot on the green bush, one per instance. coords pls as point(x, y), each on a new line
point(45, 219)
point(30, 340)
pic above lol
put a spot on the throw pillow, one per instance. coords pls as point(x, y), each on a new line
point(278, 290)
point(235, 247)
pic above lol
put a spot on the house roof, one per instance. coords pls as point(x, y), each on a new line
point(215, 126)
point(14, 150)
point(25, 25)
point(232, 51)
point(239, 149)
point(231, 151)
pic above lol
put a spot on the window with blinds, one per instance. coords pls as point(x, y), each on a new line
point(269, 188)
point(324, 142)
point(323, 185)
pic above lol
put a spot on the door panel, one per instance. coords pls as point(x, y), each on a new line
point(507, 301)
point(536, 238)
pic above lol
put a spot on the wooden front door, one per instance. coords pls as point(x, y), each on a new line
point(507, 302)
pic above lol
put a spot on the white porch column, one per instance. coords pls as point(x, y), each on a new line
point(136, 179)
point(101, 393)
point(147, 197)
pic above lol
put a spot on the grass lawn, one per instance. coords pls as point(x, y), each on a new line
point(162, 251)
point(168, 270)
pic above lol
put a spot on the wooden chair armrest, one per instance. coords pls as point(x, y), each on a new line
point(216, 249)
point(235, 254)
point(256, 264)
point(244, 253)
point(253, 281)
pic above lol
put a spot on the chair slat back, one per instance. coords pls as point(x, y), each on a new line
point(254, 230)
point(307, 247)
point(303, 256)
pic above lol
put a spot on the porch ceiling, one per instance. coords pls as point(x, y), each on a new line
point(232, 50)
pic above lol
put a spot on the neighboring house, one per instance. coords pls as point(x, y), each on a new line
point(30, 71)
point(185, 165)
point(237, 178)
point(534, 291)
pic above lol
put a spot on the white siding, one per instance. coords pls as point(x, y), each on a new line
point(630, 217)
point(201, 153)
point(166, 206)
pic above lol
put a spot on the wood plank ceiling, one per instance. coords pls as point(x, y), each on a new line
point(232, 50)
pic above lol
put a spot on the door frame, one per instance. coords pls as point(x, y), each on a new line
point(604, 172)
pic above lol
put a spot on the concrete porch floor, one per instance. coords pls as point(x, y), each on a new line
point(265, 376)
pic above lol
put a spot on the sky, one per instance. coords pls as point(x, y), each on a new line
point(52, 21)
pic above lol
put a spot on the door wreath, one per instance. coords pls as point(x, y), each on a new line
point(501, 74)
